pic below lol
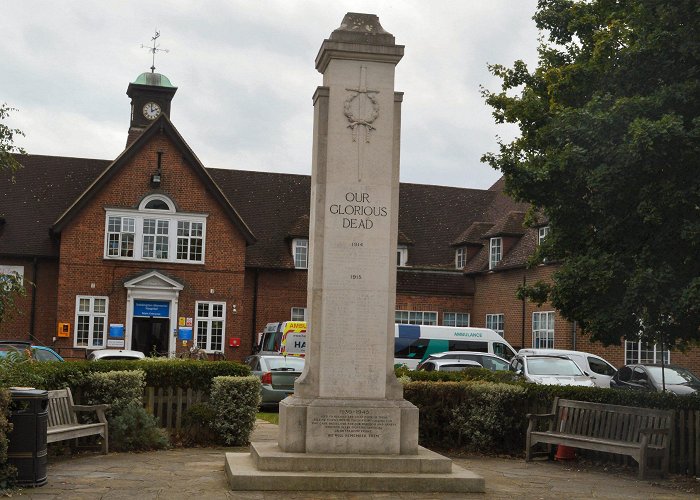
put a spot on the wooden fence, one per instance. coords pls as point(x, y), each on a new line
point(168, 404)
point(685, 445)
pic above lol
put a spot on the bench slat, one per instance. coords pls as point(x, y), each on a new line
point(63, 422)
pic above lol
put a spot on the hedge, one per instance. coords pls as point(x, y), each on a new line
point(235, 403)
point(159, 373)
point(491, 417)
point(7, 471)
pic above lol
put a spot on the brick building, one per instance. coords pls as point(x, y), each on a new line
point(153, 249)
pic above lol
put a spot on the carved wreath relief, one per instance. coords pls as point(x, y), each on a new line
point(361, 109)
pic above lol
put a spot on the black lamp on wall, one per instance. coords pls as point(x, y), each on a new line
point(156, 177)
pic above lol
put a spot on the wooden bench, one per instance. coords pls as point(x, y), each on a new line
point(637, 432)
point(63, 420)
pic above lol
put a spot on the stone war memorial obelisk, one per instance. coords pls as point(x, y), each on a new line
point(347, 426)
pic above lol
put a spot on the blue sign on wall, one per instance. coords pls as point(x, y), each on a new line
point(116, 331)
point(185, 333)
point(151, 309)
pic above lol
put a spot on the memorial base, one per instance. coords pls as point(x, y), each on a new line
point(268, 468)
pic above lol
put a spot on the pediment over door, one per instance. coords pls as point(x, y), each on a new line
point(155, 281)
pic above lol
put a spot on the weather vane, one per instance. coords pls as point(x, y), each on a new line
point(154, 49)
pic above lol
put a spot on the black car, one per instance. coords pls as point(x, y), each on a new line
point(648, 377)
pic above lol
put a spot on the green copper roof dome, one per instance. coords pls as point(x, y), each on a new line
point(155, 79)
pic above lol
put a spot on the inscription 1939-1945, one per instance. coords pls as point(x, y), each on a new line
point(357, 211)
point(354, 423)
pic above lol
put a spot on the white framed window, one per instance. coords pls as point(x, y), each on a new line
point(495, 322)
point(542, 234)
point(455, 319)
point(460, 258)
point(155, 231)
point(416, 317)
point(90, 321)
point(637, 351)
point(495, 251)
point(543, 330)
point(298, 314)
point(401, 255)
point(210, 321)
point(300, 250)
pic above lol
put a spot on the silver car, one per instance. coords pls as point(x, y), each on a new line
point(277, 374)
point(488, 361)
point(448, 365)
point(549, 370)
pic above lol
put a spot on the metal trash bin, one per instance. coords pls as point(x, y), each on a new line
point(27, 448)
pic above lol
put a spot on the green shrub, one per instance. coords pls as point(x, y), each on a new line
point(134, 429)
point(119, 389)
point(7, 471)
point(235, 402)
point(198, 424)
point(503, 376)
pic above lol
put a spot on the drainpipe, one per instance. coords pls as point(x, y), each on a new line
point(32, 313)
point(254, 334)
point(522, 322)
point(573, 335)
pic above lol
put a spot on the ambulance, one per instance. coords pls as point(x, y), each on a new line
point(284, 337)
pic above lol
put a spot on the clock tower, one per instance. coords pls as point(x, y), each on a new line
point(150, 95)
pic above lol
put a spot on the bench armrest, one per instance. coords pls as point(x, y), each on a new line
point(100, 409)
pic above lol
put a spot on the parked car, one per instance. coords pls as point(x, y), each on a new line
point(37, 352)
point(592, 365)
point(549, 370)
point(488, 361)
point(277, 374)
point(448, 365)
point(648, 377)
point(114, 355)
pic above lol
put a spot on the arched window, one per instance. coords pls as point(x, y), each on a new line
point(155, 231)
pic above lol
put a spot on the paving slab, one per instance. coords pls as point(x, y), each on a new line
point(187, 473)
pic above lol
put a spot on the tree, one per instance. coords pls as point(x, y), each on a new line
point(8, 150)
point(609, 153)
point(11, 285)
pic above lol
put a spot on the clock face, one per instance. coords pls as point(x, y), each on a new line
point(151, 110)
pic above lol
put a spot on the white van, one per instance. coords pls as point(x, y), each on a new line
point(592, 365)
point(415, 343)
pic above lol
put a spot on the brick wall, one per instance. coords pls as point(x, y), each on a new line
point(83, 269)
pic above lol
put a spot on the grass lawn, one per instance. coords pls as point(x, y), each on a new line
point(273, 418)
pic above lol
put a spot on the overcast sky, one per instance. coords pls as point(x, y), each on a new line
point(245, 76)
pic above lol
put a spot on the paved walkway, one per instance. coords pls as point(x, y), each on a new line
point(198, 473)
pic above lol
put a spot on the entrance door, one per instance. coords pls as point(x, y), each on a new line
point(150, 335)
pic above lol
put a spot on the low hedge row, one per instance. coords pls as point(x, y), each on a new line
point(159, 373)
point(487, 416)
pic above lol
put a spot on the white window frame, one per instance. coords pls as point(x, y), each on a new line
point(542, 233)
point(415, 317)
point(543, 330)
point(457, 319)
point(170, 217)
point(208, 321)
point(495, 251)
point(460, 258)
point(300, 253)
point(635, 348)
point(401, 255)
point(298, 314)
point(92, 315)
point(496, 322)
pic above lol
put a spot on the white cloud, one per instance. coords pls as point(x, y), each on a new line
point(245, 72)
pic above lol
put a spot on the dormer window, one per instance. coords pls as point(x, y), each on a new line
point(542, 234)
point(155, 231)
point(460, 258)
point(495, 251)
point(401, 255)
point(300, 251)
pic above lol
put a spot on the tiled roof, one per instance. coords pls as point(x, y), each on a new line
point(510, 225)
point(274, 206)
point(473, 235)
